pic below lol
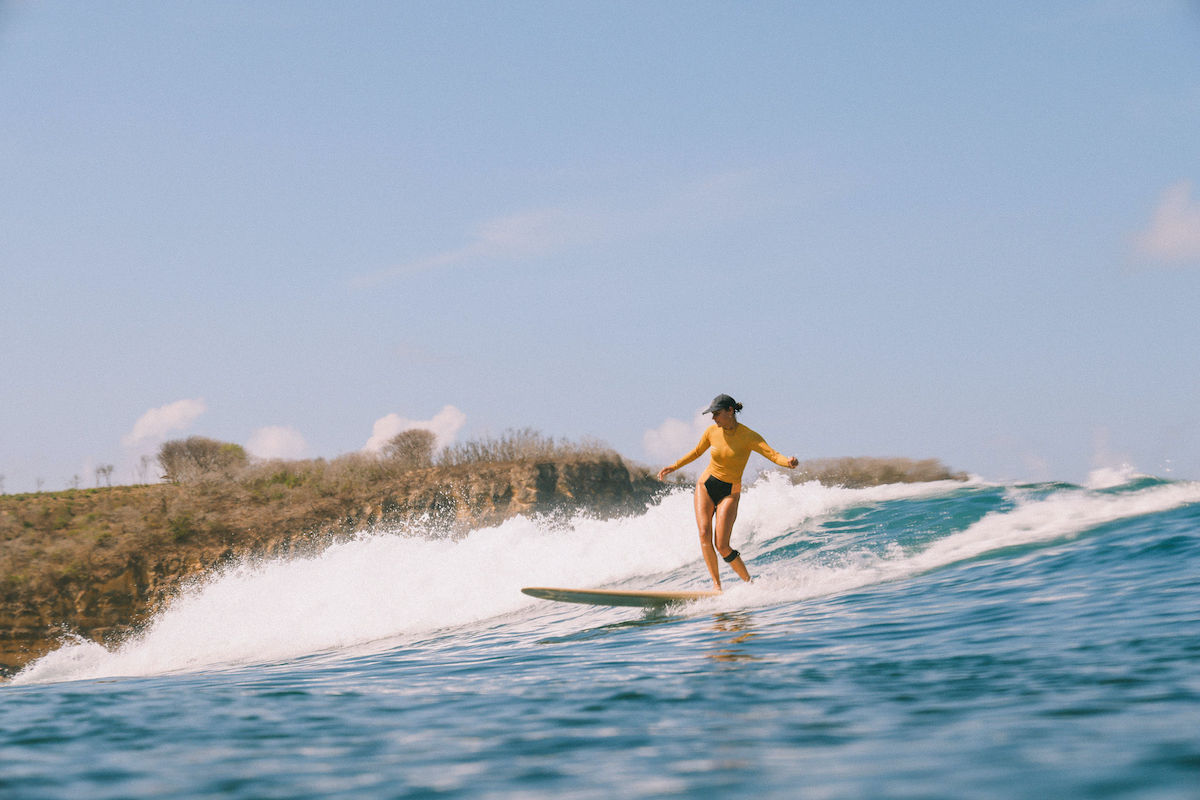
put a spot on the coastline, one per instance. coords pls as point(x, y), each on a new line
point(96, 563)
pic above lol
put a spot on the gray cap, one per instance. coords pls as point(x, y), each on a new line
point(719, 402)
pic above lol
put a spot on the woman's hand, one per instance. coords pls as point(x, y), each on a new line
point(793, 462)
point(664, 472)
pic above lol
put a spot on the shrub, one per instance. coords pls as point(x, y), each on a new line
point(278, 472)
point(411, 449)
point(525, 444)
point(354, 469)
point(198, 457)
point(854, 473)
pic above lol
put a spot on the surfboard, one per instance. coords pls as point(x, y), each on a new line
point(617, 597)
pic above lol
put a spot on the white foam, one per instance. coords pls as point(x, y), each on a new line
point(1112, 477)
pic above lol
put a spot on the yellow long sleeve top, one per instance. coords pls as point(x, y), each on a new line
point(730, 452)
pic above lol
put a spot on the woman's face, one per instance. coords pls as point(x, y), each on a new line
point(724, 417)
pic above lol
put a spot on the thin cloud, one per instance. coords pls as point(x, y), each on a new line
point(546, 232)
point(157, 423)
point(701, 203)
point(673, 439)
point(277, 441)
point(1173, 235)
point(531, 234)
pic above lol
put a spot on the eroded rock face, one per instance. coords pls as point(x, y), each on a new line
point(135, 547)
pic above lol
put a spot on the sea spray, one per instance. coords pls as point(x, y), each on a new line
point(375, 586)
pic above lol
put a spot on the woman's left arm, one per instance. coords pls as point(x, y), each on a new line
point(771, 453)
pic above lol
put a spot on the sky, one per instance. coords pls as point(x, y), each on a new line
point(958, 230)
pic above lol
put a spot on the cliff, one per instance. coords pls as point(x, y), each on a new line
point(96, 563)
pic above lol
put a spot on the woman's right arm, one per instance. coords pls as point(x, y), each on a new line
point(689, 458)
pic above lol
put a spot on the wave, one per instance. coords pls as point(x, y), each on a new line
point(1023, 517)
point(803, 541)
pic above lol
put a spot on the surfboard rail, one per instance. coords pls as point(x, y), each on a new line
point(618, 597)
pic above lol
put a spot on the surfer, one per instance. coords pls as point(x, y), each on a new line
point(719, 488)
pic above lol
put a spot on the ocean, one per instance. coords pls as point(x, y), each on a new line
point(938, 640)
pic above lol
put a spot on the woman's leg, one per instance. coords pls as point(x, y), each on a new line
point(704, 524)
point(726, 515)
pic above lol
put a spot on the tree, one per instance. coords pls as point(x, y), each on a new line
point(411, 449)
point(199, 457)
point(143, 467)
point(104, 471)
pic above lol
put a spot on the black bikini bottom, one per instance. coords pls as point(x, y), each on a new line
point(717, 489)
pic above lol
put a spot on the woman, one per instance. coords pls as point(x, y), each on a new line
point(720, 486)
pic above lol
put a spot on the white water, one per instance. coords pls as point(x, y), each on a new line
point(385, 585)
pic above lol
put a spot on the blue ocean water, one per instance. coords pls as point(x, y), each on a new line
point(933, 640)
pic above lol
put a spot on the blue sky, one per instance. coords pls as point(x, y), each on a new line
point(968, 231)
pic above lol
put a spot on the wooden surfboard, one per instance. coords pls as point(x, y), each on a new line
point(617, 597)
